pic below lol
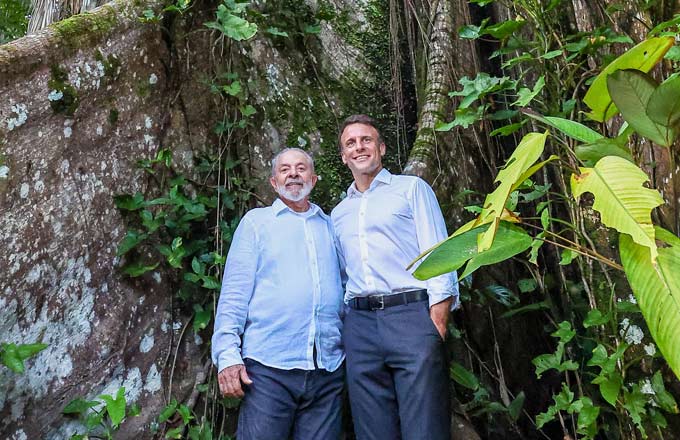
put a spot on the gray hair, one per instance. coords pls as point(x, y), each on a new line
point(275, 160)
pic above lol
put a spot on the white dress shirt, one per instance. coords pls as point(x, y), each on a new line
point(281, 291)
point(381, 230)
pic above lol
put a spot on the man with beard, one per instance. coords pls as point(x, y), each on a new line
point(395, 326)
point(277, 338)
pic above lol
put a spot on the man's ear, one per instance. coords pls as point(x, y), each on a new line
point(315, 179)
point(383, 149)
point(273, 182)
point(342, 156)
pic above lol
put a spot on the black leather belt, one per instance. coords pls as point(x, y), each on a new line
point(379, 302)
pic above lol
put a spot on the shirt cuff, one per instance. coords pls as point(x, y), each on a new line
point(227, 360)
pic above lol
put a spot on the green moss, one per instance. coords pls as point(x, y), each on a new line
point(111, 65)
point(78, 30)
point(113, 116)
point(68, 103)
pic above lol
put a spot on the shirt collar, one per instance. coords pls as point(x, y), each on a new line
point(383, 176)
point(278, 206)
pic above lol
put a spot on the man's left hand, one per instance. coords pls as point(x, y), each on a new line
point(439, 313)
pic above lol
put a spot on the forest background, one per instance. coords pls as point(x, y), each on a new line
point(134, 135)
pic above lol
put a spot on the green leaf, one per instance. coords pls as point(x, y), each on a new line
point(567, 257)
point(515, 407)
point(115, 408)
point(248, 111)
point(175, 433)
point(552, 54)
point(201, 318)
point(573, 129)
point(232, 26)
point(25, 351)
point(542, 305)
point(631, 91)
point(512, 175)
point(525, 96)
point(312, 29)
point(463, 376)
point(185, 412)
point(663, 106)
point(662, 397)
point(138, 268)
point(130, 241)
point(634, 402)
point(79, 406)
point(610, 387)
point(564, 332)
point(232, 89)
point(526, 285)
point(587, 417)
point(168, 411)
point(455, 251)
point(620, 198)
point(504, 29)
point(595, 151)
point(128, 202)
point(507, 130)
point(276, 31)
point(595, 317)
point(642, 57)
point(10, 358)
point(657, 290)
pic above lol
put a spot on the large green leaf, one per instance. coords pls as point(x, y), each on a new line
point(595, 151)
point(573, 129)
point(455, 251)
point(657, 290)
point(631, 89)
point(525, 155)
point(620, 198)
point(642, 57)
point(664, 104)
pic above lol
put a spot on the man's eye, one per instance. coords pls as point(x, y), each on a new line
point(367, 140)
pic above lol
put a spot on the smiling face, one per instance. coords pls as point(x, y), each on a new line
point(293, 177)
point(362, 152)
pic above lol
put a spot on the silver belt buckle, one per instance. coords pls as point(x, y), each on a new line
point(382, 303)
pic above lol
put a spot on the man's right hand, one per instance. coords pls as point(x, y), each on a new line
point(230, 380)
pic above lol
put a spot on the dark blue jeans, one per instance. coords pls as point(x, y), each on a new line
point(397, 374)
point(304, 404)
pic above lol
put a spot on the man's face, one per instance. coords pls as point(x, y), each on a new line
point(293, 177)
point(360, 149)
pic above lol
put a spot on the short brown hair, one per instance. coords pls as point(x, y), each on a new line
point(359, 119)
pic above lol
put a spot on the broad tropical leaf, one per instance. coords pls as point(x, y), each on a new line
point(573, 129)
point(642, 57)
point(664, 104)
point(631, 89)
point(623, 203)
point(595, 151)
point(455, 251)
point(657, 290)
point(525, 155)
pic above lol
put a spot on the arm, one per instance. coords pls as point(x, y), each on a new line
point(431, 229)
point(232, 309)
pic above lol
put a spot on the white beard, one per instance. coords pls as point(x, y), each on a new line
point(294, 196)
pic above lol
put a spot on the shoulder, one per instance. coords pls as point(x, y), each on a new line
point(257, 216)
point(340, 209)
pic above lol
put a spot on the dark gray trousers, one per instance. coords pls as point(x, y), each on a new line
point(280, 404)
point(397, 374)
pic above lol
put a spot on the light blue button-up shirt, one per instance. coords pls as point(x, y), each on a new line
point(383, 229)
point(281, 291)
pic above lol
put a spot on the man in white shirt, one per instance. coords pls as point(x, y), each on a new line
point(277, 339)
point(394, 331)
